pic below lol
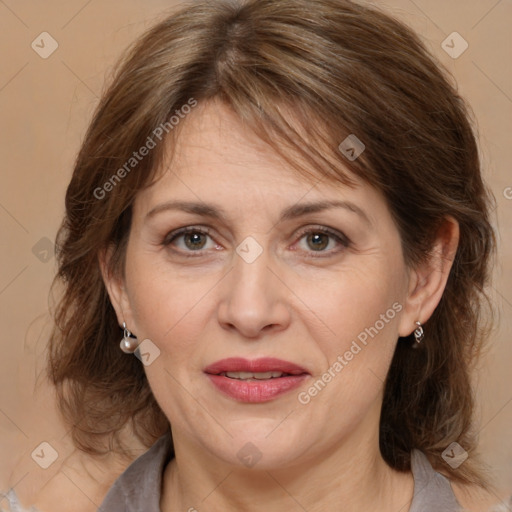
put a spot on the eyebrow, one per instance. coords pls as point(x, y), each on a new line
point(292, 212)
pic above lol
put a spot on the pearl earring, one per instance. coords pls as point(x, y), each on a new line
point(129, 343)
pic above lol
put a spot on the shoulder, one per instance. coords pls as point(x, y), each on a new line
point(475, 499)
point(433, 487)
point(77, 484)
point(139, 486)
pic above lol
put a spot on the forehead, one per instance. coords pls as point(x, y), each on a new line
point(216, 156)
point(213, 136)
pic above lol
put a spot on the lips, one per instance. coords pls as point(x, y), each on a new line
point(264, 364)
point(257, 380)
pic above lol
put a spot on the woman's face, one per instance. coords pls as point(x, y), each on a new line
point(235, 261)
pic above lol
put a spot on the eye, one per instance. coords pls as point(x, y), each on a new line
point(190, 239)
point(322, 240)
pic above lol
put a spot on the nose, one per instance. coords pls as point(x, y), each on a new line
point(253, 299)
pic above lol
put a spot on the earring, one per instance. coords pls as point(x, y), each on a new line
point(418, 333)
point(129, 342)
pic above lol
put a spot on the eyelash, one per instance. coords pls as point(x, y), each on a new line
point(338, 237)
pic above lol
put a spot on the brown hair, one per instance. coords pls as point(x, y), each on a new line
point(336, 68)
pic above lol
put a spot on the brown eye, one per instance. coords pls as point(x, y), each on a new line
point(195, 240)
point(322, 242)
point(317, 241)
point(190, 240)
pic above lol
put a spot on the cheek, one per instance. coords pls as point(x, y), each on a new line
point(356, 330)
point(359, 312)
point(170, 310)
point(346, 305)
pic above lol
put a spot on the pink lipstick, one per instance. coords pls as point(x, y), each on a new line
point(257, 380)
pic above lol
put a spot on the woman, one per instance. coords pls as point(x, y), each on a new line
point(275, 245)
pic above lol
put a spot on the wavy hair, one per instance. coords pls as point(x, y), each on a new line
point(303, 74)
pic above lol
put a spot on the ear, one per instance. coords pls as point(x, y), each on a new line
point(428, 281)
point(115, 286)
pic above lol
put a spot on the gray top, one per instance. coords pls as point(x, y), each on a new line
point(139, 487)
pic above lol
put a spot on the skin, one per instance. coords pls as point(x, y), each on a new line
point(294, 302)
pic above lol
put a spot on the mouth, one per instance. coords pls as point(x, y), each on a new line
point(255, 381)
point(251, 376)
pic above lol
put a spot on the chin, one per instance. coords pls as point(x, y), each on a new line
point(259, 445)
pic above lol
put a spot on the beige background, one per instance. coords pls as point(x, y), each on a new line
point(45, 107)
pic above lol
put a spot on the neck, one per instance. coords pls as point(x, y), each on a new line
point(352, 476)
